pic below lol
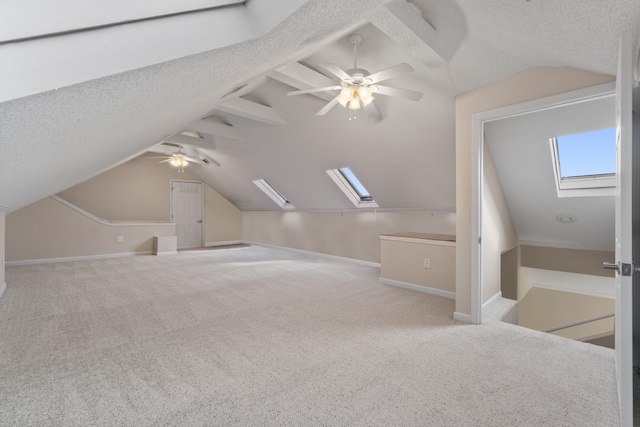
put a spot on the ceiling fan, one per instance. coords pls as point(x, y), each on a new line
point(178, 159)
point(357, 86)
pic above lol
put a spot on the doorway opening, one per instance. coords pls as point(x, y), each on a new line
point(504, 154)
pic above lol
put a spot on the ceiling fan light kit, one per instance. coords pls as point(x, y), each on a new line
point(357, 86)
point(177, 159)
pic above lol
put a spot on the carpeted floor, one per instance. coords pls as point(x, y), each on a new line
point(261, 337)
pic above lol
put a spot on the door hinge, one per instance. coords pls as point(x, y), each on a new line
point(479, 240)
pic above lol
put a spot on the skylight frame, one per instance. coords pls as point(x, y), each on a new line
point(583, 185)
point(273, 194)
point(349, 189)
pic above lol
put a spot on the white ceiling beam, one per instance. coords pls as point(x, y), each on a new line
point(189, 140)
point(302, 77)
point(21, 22)
point(215, 129)
point(251, 110)
point(402, 22)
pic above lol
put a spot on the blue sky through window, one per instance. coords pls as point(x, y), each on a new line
point(587, 154)
point(355, 182)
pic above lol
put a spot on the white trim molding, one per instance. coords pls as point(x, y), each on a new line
point(226, 243)
point(75, 258)
point(318, 254)
point(165, 253)
point(560, 245)
point(462, 317)
point(111, 223)
point(419, 241)
point(413, 287)
point(492, 301)
point(2, 289)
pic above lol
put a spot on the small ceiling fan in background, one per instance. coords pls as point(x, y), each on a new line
point(357, 86)
point(180, 159)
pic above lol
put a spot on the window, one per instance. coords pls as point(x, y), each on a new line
point(352, 187)
point(585, 163)
point(274, 194)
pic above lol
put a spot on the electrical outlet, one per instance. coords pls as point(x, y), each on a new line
point(427, 263)
point(120, 239)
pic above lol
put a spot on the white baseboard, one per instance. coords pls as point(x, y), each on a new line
point(75, 258)
point(165, 253)
point(462, 317)
point(414, 287)
point(228, 242)
point(2, 289)
point(492, 300)
point(318, 254)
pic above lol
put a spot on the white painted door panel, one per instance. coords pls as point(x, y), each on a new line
point(625, 94)
point(186, 208)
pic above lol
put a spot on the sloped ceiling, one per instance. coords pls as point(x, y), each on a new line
point(521, 152)
point(156, 86)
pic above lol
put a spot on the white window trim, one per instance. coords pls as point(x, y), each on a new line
point(273, 194)
point(586, 186)
point(351, 193)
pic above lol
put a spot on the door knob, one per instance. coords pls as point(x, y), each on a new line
point(611, 266)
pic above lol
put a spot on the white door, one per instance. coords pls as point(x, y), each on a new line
point(186, 212)
point(626, 133)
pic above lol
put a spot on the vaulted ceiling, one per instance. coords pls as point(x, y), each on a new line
point(93, 91)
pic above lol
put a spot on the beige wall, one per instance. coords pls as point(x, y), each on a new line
point(404, 261)
point(529, 85)
point(222, 220)
point(562, 308)
point(138, 190)
point(49, 229)
point(498, 232)
point(568, 260)
point(347, 234)
point(509, 274)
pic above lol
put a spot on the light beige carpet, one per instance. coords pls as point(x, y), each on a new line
point(255, 336)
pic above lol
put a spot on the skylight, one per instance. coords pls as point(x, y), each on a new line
point(585, 161)
point(274, 194)
point(352, 187)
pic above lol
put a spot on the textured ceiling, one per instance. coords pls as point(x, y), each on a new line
point(54, 139)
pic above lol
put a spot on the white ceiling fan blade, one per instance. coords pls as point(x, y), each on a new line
point(336, 71)
point(401, 93)
point(164, 161)
point(320, 89)
point(327, 107)
point(390, 72)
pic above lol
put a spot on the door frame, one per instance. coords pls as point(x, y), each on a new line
point(192, 181)
point(477, 171)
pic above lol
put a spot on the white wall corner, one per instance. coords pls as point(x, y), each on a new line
point(2, 289)
point(462, 317)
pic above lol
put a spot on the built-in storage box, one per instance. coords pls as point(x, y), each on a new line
point(419, 261)
point(165, 245)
